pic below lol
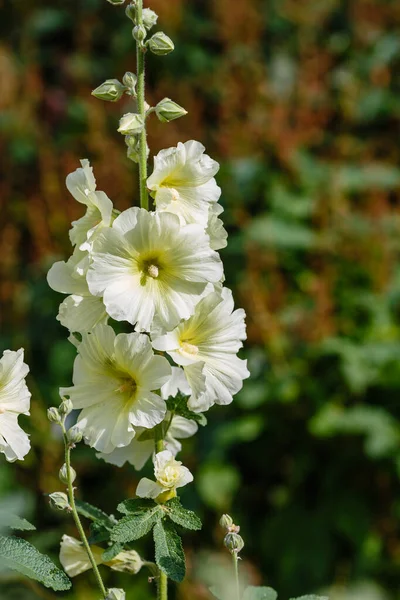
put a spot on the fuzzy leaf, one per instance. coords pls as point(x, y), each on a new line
point(98, 533)
point(12, 521)
point(94, 514)
point(178, 406)
point(182, 516)
point(134, 505)
point(170, 557)
point(136, 525)
point(259, 593)
point(19, 555)
point(112, 552)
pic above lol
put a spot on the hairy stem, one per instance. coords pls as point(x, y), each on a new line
point(77, 520)
point(162, 581)
point(236, 569)
point(140, 51)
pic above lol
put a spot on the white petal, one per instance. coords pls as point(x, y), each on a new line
point(80, 314)
point(14, 442)
point(148, 410)
point(148, 489)
point(182, 428)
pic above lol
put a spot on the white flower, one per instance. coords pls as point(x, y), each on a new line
point(149, 265)
point(75, 560)
point(215, 228)
point(115, 594)
point(14, 401)
point(139, 451)
point(80, 311)
point(170, 475)
point(183, 182)
point(114, 378)
point(82, 185)
point(206, 346)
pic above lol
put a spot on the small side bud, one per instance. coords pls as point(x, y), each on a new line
point(168, 110)
point(130, 124)
point(115, 594)
point(53, 415)
point(111, 90)
point(226, 522)
point(130, 81)
point(130, 11)
point(74, 435)
point(234, 542)
point(139, 33)
point(63, 474)
point(59, 501)
point(65, 407)
point(160, 44)
point(116, 2)
point(149, 18)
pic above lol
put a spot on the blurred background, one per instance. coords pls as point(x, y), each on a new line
point(297, 100)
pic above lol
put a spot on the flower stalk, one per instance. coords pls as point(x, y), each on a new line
point(140, 65)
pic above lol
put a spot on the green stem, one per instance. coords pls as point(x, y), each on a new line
point(140, 51)
point(235, 565)
point(162, 581)
point(76, 516)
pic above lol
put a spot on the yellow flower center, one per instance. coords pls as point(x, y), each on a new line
point(188, 348)
point(128, 386)
point(2, 411)
point(150, 265)
point(153, 271)
point(170, 475)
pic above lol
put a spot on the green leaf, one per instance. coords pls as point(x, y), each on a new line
point(12, 521)
point(134, 505)
point(112, 552)
point(259, 593)
point(170, 557)
point(98, 533)
point(137, 524)
point(178, 406)
point(19, 555)
point(182, 516)
point(94, 514)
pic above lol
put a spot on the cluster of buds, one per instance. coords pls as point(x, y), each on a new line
point(232, 540)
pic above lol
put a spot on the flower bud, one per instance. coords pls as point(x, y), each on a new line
point(65, 407)
point(160, 44)
point(130, 80)
point(234, 542)
point(131, 123)
point(226, 521)
point(115, 594)
point(130, 11)
point(168, 110)
point(111, 90)
point(116, 2)
point(53, 415)
point(59, 500)
point(74, 435)
point(139, 33)
point(149, 18)
point(63, 474)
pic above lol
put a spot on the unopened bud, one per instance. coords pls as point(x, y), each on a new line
point(226, 521)
point(234, 542)
point(168, 110)
point(74, 435)
point(59, 500)
point(131, 123)
point(139, 33)
point(53, 415)
point(115, 594)
point(160, 44)
point(63, 474)
point(111, 90)
point(149, 18)
point(130, 11)
point(129, 80)
point(116, 2)
point(65, 407)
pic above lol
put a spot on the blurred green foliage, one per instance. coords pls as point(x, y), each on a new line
point(298, 101)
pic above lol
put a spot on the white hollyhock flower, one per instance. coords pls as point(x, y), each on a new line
point(14, 401)
point(138, 452)
point(215, 228)
point(183, 182)
point(206, 346)
point(115, 594)
point(148, 265)
point(170, 475)
point(114, 378)
point(75, 560)
point(80, 311)
point(82, 185)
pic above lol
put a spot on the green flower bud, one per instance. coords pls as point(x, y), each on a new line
point(63, 474)
point(115, 594)
point(116, 2)
point(149, 18)
point(226, 521)
point(139, 33)
point(59, 501)
point(234, 542)
point(131, 123)
point(168, 110)
point(130, 11)
point(74, 435)
point(53, 415)
point(160, 44)
point(130, 81)
point(111, 90)
point(65, 407)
